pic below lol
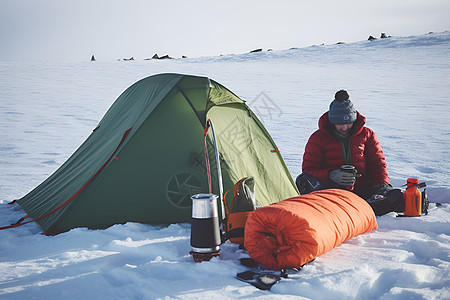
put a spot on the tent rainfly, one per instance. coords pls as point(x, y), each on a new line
point(146, 158)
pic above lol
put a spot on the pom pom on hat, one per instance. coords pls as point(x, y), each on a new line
point(341, 95)
point(341, 109)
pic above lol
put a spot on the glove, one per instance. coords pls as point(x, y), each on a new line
point(342, 178)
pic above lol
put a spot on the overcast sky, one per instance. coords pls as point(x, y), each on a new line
point(73, 30)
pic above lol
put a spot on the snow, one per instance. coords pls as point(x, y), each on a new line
point(400, 84)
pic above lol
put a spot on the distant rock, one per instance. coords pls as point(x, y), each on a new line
point(156, 56)
point(92, 58)
point(128, 59)
point(256, 50)
point(340, 43)
point(184, 56)
point(382, 36)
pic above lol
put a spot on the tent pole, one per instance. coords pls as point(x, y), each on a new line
point(219, 171)
point(208, 168)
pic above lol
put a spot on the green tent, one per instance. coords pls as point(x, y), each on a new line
point(146, 158)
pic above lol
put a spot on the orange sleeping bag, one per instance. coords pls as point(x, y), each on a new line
point(292, 232)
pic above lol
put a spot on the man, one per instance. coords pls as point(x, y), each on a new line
point(342, 139)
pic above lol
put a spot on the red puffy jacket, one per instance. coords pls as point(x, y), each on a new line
point(324, 153)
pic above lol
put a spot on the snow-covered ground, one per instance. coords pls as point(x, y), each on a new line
point(400, 84)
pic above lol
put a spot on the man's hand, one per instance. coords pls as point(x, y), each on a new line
point(342, 178)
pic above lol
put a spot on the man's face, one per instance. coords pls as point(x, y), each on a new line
point(344, 128)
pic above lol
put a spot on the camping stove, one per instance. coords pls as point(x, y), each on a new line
point(205, 232)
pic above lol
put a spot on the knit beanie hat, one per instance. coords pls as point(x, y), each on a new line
point(341, 109)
